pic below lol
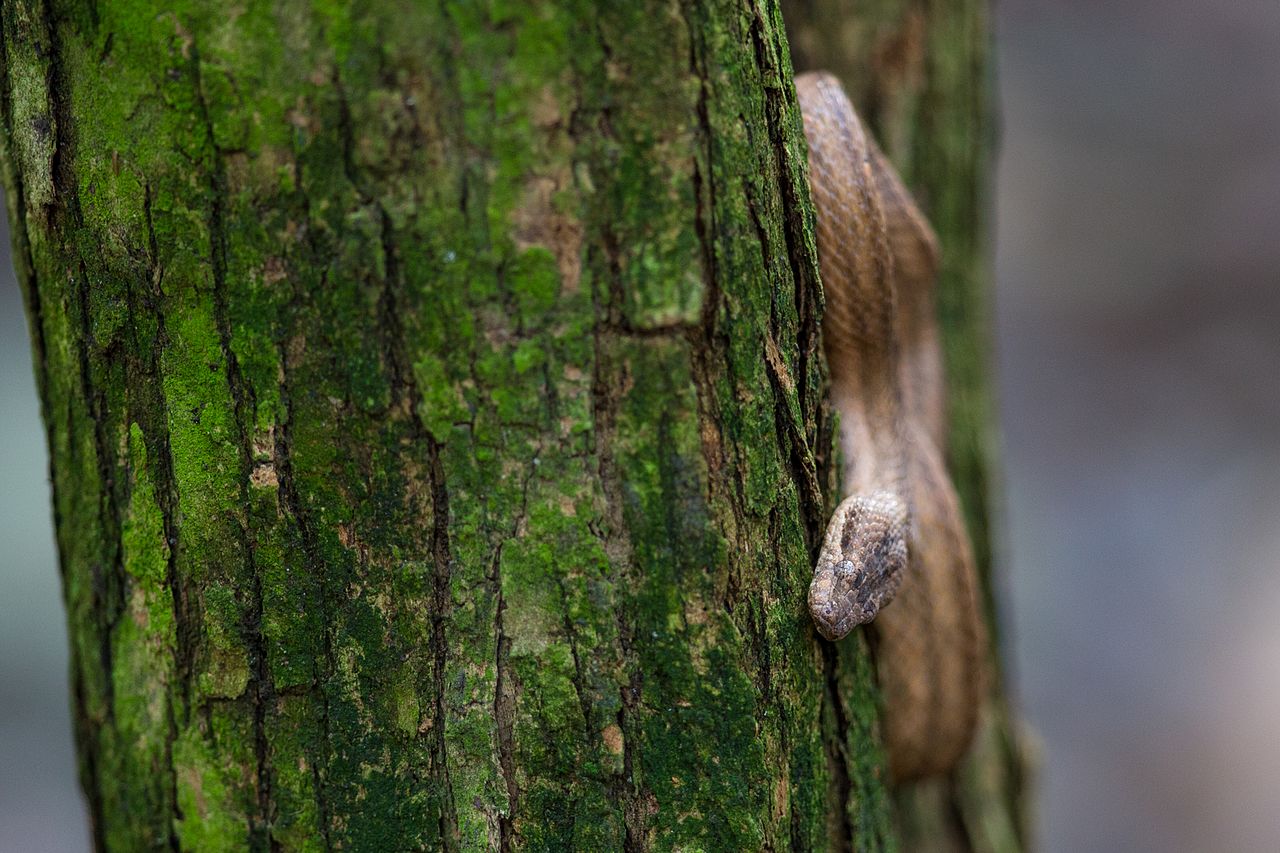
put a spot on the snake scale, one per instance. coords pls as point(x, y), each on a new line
point(899, 536)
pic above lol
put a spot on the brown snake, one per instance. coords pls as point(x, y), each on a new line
point(899, 535)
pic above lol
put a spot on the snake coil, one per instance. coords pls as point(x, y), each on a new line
point(899, 536)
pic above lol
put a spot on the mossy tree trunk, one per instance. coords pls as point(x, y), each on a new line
point(436, 425)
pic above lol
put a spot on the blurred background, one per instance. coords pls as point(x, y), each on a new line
point(1138, 364)
point(1138, 342)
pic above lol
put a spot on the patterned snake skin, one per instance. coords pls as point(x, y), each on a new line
point(898, 540)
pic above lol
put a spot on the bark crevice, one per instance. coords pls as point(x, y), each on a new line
point(261, 687)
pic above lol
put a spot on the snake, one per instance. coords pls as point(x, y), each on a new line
point(896, 549)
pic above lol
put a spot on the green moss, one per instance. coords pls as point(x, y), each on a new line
point(139, 781)
point(441, 403)
point(225, 671)
point(212, 819)
point(293, 743)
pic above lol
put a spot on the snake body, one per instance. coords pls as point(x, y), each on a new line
point(899, 535)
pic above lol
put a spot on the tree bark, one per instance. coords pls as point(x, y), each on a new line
point(436, 425)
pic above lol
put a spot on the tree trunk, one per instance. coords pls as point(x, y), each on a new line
point(436, 424)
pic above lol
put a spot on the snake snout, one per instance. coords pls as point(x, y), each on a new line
point(835, 602)
point(826, 618)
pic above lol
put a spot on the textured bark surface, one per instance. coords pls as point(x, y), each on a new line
point(435, 425)
point(435, 429)
point(918, 74)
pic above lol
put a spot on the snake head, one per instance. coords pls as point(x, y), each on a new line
point(861, 563)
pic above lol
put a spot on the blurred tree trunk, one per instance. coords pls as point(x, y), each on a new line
point(435, 424)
